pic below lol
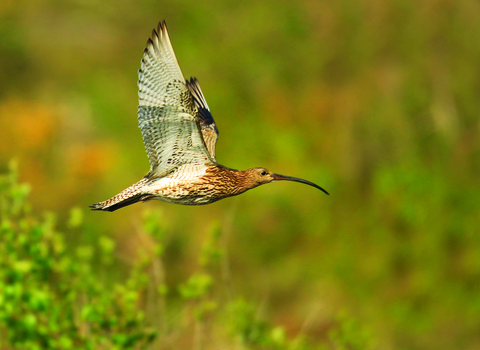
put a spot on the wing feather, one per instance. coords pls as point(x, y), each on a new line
point(167, 114)
point(207, 124)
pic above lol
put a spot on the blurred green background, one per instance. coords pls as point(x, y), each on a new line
point(376, 101)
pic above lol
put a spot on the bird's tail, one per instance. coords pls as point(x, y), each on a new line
point(130, 195)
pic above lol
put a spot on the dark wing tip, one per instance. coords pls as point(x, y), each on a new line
point(148, 45)
point(154, 34)
point(162, 26)
point(206, 119)
point(204, 113)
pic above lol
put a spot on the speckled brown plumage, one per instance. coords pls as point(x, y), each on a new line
point(180, 137)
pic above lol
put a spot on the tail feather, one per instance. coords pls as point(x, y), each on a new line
point(130, 195)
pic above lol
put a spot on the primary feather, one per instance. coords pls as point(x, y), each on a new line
point(168, 113)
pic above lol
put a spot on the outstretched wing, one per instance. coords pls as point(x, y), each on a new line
point(167, 114)
point(209, 129)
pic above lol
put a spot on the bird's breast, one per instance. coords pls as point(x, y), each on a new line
point(203, 190)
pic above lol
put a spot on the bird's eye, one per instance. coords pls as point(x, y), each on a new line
point(263, 173)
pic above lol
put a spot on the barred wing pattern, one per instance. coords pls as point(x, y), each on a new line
point(209, 129)
point(167, 114)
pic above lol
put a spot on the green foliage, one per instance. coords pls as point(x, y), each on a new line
point(196, 286)
point(55, 298)
point(253, 332)
point(212, 251)
point(349, 335)
point(52, 299)
point(247, 325)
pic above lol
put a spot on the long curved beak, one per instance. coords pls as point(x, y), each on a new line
point(296, 179)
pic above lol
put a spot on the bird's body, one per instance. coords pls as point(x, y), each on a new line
point(180, 137)
point(215, 183)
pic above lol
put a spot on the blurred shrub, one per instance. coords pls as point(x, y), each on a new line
point(50, 297)
point(56, 297)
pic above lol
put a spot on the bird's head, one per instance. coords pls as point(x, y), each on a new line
point(258, 176)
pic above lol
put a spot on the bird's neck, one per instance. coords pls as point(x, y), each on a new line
point(239, 179)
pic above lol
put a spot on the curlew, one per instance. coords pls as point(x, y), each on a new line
point(180, 136)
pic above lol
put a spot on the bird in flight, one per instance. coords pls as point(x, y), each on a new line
point(180, 136)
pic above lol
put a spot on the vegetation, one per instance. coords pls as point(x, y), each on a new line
point(376, 101)
point(55, 299)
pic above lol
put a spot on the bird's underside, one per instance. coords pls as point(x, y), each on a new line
point(166, 189)
point(180, 135)
point(217, 182)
